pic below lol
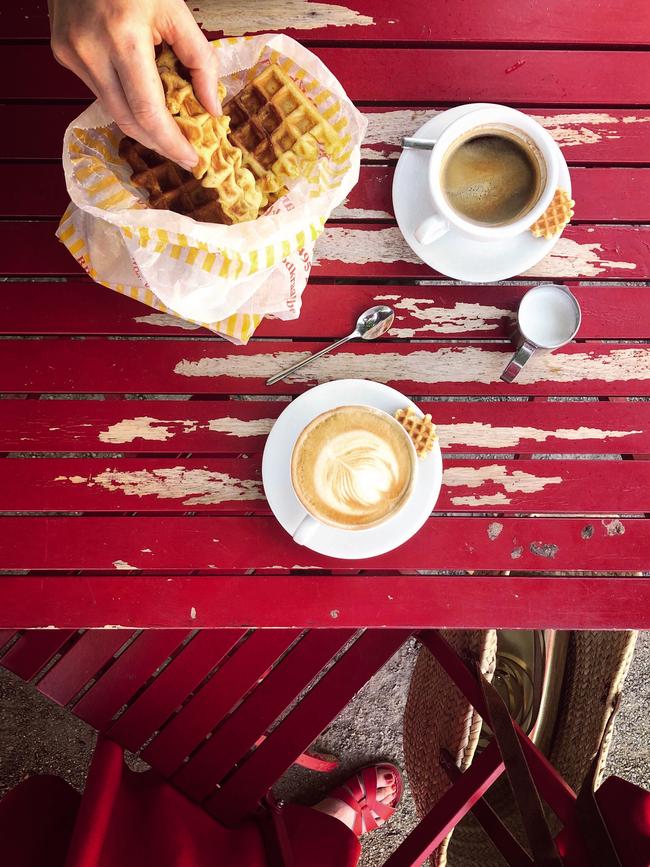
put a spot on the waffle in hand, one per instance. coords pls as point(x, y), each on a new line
point(421, 430)
point(279, 130)
point(555, 217)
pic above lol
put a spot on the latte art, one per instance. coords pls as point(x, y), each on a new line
point(357, 470)
point(352, 467)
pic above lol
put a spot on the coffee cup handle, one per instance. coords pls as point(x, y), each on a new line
point(521, 356)
point(431, 229)
point(305, 530)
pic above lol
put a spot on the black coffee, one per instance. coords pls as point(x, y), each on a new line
point(491, 178)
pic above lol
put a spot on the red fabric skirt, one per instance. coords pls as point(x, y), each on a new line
point(125, 819)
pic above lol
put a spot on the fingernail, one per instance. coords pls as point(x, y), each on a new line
point(189, 166)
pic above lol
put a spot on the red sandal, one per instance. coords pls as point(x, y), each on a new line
point(352, 794)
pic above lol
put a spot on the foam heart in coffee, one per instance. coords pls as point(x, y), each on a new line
point(353, 467)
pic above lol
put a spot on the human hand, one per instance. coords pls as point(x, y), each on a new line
point(109, 44)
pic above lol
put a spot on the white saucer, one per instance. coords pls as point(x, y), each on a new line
point(453, 254)
point(276, 473)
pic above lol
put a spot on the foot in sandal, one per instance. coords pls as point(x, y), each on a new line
point(367, 799)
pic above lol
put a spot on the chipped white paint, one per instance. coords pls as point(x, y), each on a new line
point(160, 430)
point(76, 480)
point(484, 435)
point(192, 613)
point(445, 320)
point(197, 487)
point(385, 129)
point(345, 213)
point(498, 499)
point(388, 128)
point(241, 427)
point(570, 259)
point(122, 564)
point(146, 551)
point(166, 320)
point(515, 482)
point(237, 17)
point(144, 427)
point(614, 527)
point(449, 364)
point(494, 530)
point(354, 246)
point(359, 246)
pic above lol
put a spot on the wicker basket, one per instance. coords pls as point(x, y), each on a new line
point(438, 715)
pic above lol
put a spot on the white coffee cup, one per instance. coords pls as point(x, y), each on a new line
point(493, 118)
point(311, 521)
point(548, 318)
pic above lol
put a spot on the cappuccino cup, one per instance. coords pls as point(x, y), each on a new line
point(353, 468)
point(492, 173)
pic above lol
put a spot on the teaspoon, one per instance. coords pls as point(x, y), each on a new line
point(370, 325)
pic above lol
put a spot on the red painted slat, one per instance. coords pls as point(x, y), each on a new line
point(587, 136)
point(216, 367)
point(217, 697)
point(173, 685)
point(34, 650)
point(129, 672)
point(620, 22)
point(601, 194)
point(236, 427)
point(242, 791)
point(458, 311)
point(81, 663)
point(345, 601)
point(584, 251)
point(5, 636)
point(523, 76)
point(234, 486)
point(233, 544)
point(241, 731)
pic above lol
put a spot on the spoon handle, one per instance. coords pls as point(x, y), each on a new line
point(419, 143)
point(284, 373)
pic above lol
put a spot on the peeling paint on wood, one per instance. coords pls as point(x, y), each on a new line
point(238, 17)
point(121, 564)
point(613, 527)
point(495, 474)
point(544, 549)
point(148, 428)
point(192, 613)
point(448, 364)
point(445, 320)
point(516, 552)
point(494, 530)
point(587, 532)
point(584, 259)
point(481, 435)
point(196, 487)
point(166, 320)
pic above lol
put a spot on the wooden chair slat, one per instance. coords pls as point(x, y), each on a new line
point(132, 668)
point(33, 650)
point(82, 662)
point(248, 723)
point(249, 783)
point(172, 686)
point(249, 663)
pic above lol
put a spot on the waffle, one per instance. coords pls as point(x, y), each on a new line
point(555, 217)
point(278, 129)
point(421, 430)
point(219, 189)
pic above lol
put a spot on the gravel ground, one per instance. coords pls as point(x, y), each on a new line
point(36, 737)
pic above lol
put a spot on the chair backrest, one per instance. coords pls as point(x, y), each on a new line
point(220, 713)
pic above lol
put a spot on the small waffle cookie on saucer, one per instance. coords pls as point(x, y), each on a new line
point(279, 130)
point(421, 430)
point(555, 217)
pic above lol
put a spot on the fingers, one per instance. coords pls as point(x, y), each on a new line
point(198, 55)
point(145, 109)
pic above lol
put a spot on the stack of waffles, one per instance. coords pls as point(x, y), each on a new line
point(269, 134)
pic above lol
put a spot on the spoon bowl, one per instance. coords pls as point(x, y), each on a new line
point(375, 322)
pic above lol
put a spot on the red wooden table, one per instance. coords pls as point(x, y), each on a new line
point(130, 488)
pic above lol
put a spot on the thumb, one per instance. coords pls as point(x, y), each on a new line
point(198, 55)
